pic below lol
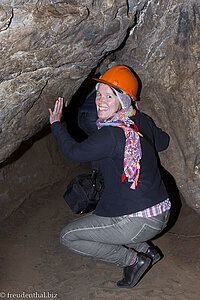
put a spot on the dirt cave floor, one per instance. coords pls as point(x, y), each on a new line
point(35, 265)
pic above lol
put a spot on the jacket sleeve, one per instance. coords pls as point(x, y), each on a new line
point(97, 146)
point(161, 138)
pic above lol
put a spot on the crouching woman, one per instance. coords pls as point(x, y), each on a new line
point(134, 207)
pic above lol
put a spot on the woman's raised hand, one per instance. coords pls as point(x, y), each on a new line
point(56, 115)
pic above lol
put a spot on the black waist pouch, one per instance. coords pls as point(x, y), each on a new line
point(84, 192)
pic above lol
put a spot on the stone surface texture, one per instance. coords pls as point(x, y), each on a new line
point(49, 47)
point(38, 163)
point(47, 50)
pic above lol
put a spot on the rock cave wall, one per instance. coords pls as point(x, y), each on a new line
point(48, 48)
point(163, 48)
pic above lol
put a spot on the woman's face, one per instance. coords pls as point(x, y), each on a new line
point(106, 101)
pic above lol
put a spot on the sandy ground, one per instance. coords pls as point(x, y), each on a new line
point(35, 265)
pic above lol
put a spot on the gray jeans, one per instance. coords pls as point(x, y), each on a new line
point(112, 239)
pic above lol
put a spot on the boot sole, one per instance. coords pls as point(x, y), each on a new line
point(157, 259)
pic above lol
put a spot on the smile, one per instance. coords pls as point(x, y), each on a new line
point(102, 108)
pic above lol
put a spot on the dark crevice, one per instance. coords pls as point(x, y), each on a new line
point(70, 113)
point(123, 44)
point(9, 23)
point(42, 89)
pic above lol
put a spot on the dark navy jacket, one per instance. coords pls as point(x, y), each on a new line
point(107, 146)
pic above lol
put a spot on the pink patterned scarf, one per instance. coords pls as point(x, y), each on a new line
point(133, 152)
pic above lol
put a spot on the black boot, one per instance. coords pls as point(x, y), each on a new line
point(154, 253)
point(133, 273)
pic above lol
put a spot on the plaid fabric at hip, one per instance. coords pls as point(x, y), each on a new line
point(153, 211)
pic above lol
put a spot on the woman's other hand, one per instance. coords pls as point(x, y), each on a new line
point(56, 115)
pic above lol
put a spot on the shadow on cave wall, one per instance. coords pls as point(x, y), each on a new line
point(25, 146)
point(70, 113)
point(174, 197)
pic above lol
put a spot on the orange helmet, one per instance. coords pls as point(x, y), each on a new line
point(120, 77)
